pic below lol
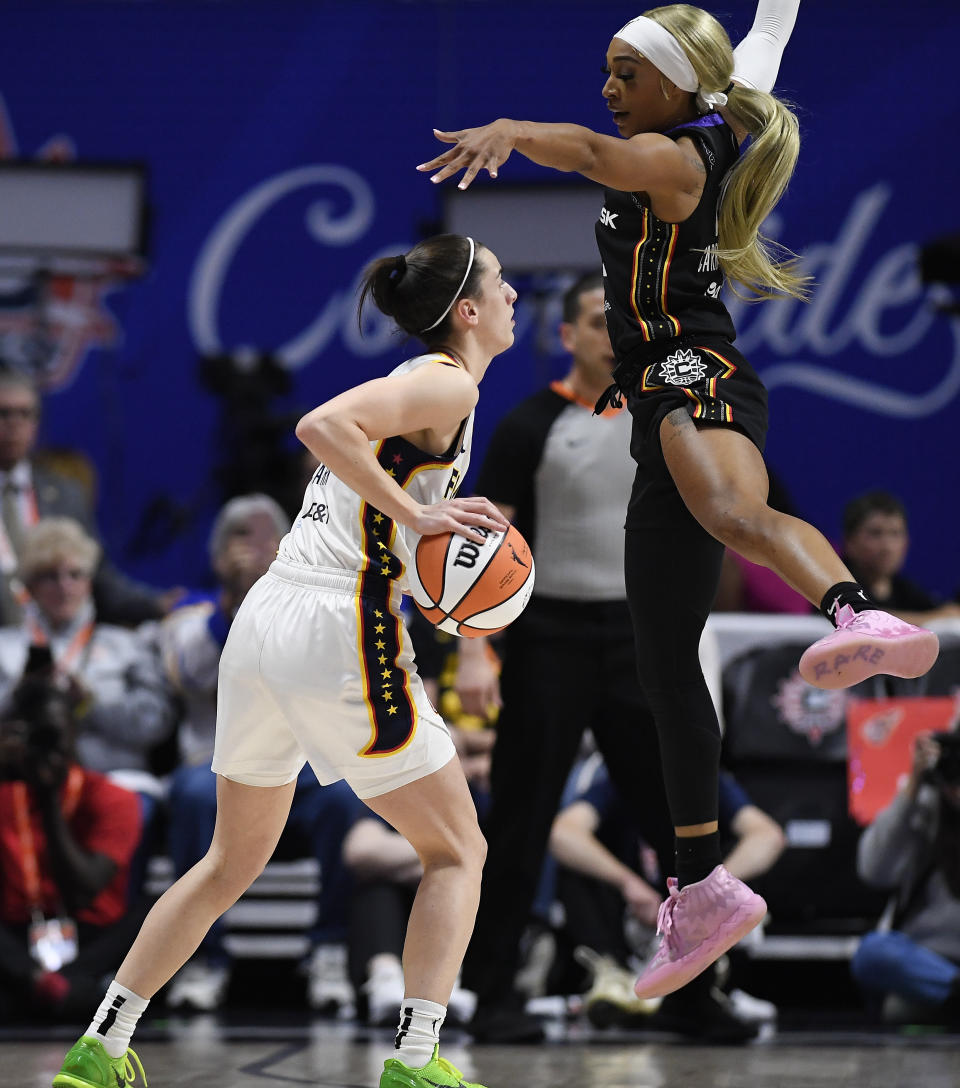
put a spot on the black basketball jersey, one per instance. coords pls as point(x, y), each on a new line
point(663, 280)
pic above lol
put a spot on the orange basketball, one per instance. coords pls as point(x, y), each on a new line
point(468, 588)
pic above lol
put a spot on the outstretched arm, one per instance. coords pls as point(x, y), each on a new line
point(756, 60)
point(647, 162)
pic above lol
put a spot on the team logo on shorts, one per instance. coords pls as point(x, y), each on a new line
point(684, 367)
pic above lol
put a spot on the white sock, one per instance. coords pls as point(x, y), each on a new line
point(419, 1030)
point(115, 1020)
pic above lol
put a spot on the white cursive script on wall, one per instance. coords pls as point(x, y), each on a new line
point(849, 314)
point(877, 309)
point(322, 224)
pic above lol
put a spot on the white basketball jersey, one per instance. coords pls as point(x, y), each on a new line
point(337, 528)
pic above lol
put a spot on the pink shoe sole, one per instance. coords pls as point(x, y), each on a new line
point(672, 976)
point(847, 657)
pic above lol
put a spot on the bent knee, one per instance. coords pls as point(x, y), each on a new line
point(230, 875)
point(464, 848)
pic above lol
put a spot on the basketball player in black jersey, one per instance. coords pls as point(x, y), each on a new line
point(684, 196)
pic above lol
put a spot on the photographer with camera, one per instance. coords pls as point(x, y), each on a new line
point(912, 961)
point(66, 839)
point(125, 706)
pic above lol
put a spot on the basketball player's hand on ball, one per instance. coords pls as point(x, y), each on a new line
point(472, 517)
point(475, 149)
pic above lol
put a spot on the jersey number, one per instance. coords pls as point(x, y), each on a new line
point(318, 512)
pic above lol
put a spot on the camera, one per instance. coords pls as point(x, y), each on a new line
point(36, 730)
point(946, 771)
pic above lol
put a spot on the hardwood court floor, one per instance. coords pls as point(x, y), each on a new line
point(200, 1054)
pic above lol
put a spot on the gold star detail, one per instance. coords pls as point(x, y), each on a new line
point(385, 569)
point(382, 659)
point(386, 674)
point(391, 710)
point(380, 644)
point(378, 613)
point(379, 629)
point(377, 518)
point(387, 696)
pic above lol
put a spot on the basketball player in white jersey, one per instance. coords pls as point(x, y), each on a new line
point(318, 665)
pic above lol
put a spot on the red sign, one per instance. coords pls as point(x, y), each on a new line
point(880, 734)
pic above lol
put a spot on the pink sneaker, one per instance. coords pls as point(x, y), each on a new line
point(864, 644)
point(697, 926)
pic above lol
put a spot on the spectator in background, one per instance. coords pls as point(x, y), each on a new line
point(912, 847)
point(243, 543)
point(875, 544)
point(29, 492)
point(599, 844)
point(67, 835)
point(125, 705)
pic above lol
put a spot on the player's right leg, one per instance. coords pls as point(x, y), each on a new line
point(437, 816)
point(249, 822)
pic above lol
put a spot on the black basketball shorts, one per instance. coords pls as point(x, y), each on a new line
point(715, 384)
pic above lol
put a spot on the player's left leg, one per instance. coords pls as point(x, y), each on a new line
point(249, 822)
point(672, 566)
point(723, 481)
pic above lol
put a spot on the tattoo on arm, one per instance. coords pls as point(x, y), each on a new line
point(679, 418)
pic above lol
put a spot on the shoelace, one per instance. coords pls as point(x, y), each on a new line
point(129, 1071)
point(665, 920)
point(449, 1067)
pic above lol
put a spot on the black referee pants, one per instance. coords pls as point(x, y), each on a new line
point(568, 666)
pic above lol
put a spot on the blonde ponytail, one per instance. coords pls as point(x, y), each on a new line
point(759, 178)
point(754, 186)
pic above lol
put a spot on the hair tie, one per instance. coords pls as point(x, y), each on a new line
point(729, 87)
point(399, 268)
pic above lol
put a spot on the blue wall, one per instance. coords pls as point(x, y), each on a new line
point(281, 139)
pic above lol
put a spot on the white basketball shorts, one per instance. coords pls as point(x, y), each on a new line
point(315, 670)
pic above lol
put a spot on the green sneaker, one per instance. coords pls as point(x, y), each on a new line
point(438, 1072)
point(88, 1065)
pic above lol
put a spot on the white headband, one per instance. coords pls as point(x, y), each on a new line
point(459, 289)
point(665, 53)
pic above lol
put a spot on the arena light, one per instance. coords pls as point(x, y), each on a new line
point(531, 228)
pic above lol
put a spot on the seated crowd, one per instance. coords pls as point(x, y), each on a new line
point(107, 719)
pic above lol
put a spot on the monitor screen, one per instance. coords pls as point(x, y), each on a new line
point(72, 209)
